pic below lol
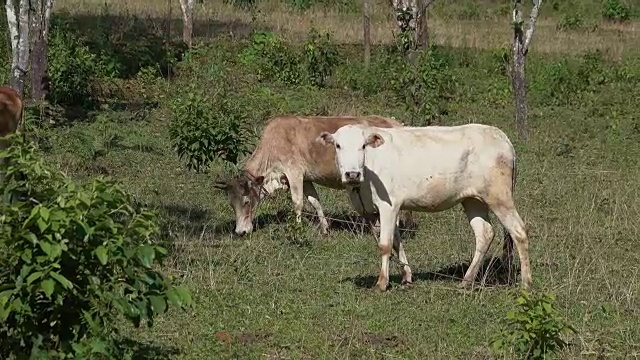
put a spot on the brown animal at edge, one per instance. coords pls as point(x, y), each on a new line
point(10, 113)
point(288, 156)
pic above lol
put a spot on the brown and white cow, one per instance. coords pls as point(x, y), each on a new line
point(432, 169)
point(10, 113)
point(288, 156)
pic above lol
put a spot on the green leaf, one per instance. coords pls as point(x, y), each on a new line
point(158, 303)
point(146, 254)
point(101, 253)
point(44, 213)
point(47, 287)
point(174, 297)
point(42, 225)
point(33, 277)
point(46, 247)
point(62, 280)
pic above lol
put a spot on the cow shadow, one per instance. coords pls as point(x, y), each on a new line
point(145, 350)
point(355, 224)
point(492, 272)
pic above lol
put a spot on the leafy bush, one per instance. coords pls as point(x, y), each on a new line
point(427, 87)
point(616, 10)
point(71, 256)
point(277, 60)
point(205, 128)
point(572, 21)
point(321, 57)
point(71, 67)
point(533, 330)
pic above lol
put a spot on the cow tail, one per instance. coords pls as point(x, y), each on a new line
point(507, 250)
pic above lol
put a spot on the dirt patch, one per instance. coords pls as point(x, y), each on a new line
point(372, 339)
point(383, 340)
point(248, 338)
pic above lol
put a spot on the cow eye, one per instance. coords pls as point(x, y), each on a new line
point(363, 146)
point(338, 146)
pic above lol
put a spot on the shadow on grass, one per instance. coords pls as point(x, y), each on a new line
point(496, 274)
point(146, 351)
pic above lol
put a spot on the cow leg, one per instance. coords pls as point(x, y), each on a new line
point(478, 216)
point(506, 212)
point(312, 196)
point(388, 217)
point(296, 186)
point(399, 249)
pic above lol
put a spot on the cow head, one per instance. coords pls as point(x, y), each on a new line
point(244, 195)
point(350, 142)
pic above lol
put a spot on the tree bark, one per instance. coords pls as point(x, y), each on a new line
point(187, 20)
point(367, 32)
point(521, 43)
point(422, 31)
point(39, 31)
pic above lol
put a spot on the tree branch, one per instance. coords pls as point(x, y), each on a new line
point(532, 24)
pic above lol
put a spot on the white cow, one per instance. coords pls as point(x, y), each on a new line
point(431, 169)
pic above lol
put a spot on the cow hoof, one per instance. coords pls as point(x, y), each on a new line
point(406, 284)
point(464, 285)
point(380, 288)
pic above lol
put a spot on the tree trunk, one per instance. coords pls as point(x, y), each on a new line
point(520, 91)
point(521, 43)
point(20, 71)
point(422, 31)
point(38, 52)
point(367, 32)
point(187, 20)
point(20, 44)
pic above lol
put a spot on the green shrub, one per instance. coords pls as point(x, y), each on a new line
point(206, 128)
point(533, 330)
point(616, 10)
point(426, 88)
point(321, 56)
point(274, 59)
point(71, 68)
point(572, 21)
point(71, 257)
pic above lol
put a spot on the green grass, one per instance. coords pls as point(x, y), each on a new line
point(268, 296)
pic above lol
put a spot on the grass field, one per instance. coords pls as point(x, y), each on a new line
point(272, 295)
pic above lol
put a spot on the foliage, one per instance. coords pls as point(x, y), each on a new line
point(616, 10)
point(426, 87)
point(321, 57)
point(242, 4)
point(206, 128)
point(72, 255)
point(571, 21)
point(276, 60)
point(71, 67)
point(533, 330)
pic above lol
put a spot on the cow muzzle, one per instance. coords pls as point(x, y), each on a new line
point(352, 177)
point(243, 227)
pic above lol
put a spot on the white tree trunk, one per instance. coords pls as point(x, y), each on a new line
point(187, 20)
point(12, 22)
point(19, 32)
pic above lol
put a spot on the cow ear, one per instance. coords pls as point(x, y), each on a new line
point(325, 138)
point(374, 140)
